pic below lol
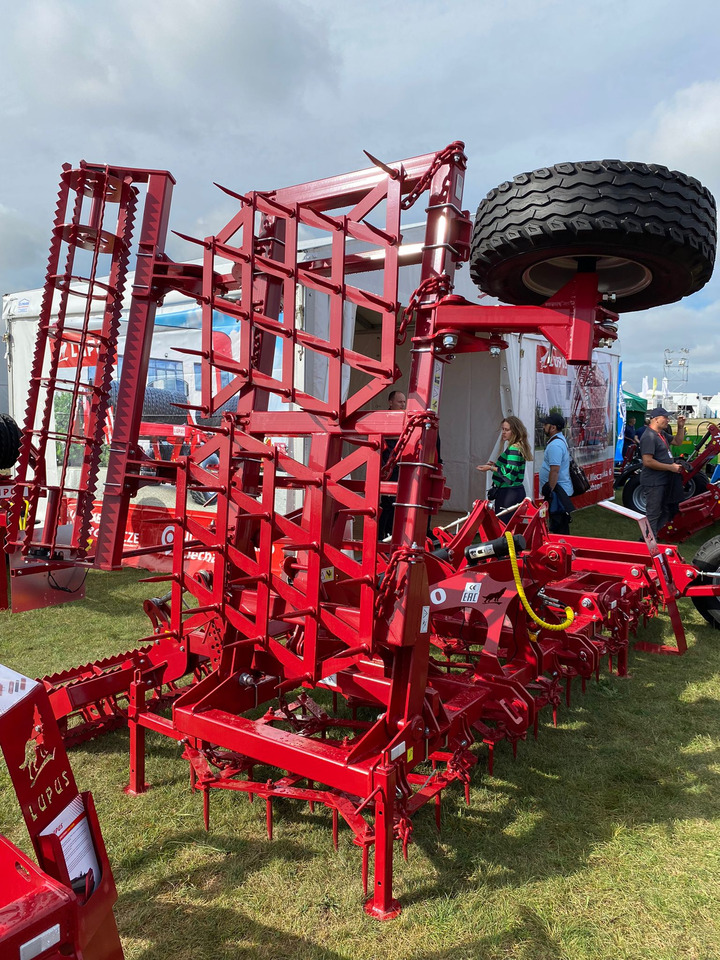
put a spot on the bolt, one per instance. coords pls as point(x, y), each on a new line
point(495, 351)
point(689, 574)
point(182, 649)
point(668, 551)
point(634, 572)
point(586, 602)
point(449, 341)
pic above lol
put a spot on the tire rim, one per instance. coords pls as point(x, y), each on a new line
point(639, 500)
point(615, 275)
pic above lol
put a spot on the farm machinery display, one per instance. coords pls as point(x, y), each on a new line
point(363, 671)
point(700, 503)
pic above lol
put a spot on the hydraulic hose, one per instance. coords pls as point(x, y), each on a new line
point(569, 612)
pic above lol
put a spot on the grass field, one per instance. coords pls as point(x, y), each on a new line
point(602, 840)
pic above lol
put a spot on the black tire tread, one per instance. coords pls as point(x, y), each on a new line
point(9, 441)
point(609, 204)
point(707, 560)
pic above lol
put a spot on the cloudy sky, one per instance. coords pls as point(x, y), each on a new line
point(258, 95)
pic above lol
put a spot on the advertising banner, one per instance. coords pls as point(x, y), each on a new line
point(586, 398)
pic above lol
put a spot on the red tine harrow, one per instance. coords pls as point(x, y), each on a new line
point(362, 671)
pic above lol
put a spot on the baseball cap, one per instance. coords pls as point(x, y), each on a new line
point(658, 412)
point(556, 419)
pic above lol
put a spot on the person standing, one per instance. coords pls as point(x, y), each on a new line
point(508, 488)
point(555, 484)
point(630, 434)
point(396, 401)
point(658, 467)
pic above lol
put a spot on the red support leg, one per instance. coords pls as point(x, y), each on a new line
point(137, 783)
point(381, 904)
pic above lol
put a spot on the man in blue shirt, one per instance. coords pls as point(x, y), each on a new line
point(555, 483)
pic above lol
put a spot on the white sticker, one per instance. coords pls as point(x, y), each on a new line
point(327, 574)
point(425, 619)
point(331, 681)
point(39, 944)
point(436, 386)
point(178, 431)
point(438, 596)
point(459, 187)
point(397, 751)
point(471, 592)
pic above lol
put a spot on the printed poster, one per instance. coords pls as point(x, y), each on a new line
point(585, 395)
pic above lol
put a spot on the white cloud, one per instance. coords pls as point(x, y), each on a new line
point(684, 133)
point(645, 336)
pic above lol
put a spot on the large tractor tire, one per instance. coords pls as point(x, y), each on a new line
point(633, 495)
point(707, 560)
point(649, 232)
point(9, 441)
point(159, 406)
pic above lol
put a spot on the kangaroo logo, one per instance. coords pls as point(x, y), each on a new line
point(36, 756)
point(494, 597)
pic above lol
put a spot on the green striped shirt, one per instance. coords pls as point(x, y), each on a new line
point(509, 468)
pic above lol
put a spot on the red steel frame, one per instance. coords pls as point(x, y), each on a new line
point(424, 652)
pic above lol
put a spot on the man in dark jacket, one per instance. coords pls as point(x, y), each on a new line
point(658, 466)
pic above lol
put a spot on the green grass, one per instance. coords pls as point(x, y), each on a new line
point(602, 840)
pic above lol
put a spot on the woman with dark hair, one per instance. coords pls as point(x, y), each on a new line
point(509, 470)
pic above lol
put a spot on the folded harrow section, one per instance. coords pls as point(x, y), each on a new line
point(362, 671)
point(65, 425)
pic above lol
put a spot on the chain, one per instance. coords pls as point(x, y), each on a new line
point(413, 421)
point(438, 285)
point(445, 156)
point(391, 587)
point(256, 347)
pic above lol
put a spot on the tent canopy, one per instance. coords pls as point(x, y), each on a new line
point(633, 403)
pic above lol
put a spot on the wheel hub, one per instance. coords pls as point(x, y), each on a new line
point(615, 275)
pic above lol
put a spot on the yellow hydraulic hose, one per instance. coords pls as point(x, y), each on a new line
point(569, 612)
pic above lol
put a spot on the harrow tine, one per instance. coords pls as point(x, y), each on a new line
point(390, 171)
point(335, 827)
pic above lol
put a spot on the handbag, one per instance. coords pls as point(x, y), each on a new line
point(578, 478)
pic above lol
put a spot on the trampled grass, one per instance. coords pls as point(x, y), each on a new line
point(602, 840)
